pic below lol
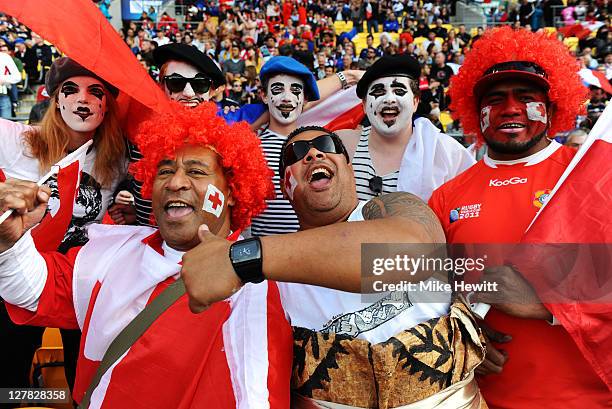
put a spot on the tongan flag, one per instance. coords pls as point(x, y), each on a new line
point(78, 29)
point(580, 211)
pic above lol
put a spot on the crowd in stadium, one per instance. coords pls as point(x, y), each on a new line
point(272, 140)
point(242, 36)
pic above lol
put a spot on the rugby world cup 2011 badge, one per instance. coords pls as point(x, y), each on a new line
point(465, 212)
point(540, 197)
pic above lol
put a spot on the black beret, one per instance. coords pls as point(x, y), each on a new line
point(387, 66)
point(64, 68)
point(191, 55)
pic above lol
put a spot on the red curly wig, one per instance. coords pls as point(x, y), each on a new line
point(566, 94)
point(242, 159)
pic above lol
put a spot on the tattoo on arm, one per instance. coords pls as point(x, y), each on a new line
point(406, 205)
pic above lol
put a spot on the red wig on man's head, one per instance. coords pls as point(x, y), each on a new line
point(567, 94)
point(241, 157)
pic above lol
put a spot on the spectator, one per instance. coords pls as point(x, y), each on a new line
point(161, 39)
point(576, 138)
point(371, 57)
point(235, 65)
point(371, 11)
point(9, 75)
point(439, 30)
point(391, 25)
point(440, 70)
point(463, 35)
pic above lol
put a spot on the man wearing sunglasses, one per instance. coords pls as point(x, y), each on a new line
point(347, 350)
point(398, 152)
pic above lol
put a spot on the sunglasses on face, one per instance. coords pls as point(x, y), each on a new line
point(177, 83)
point(296, 151)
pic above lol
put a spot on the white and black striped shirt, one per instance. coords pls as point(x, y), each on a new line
point(364, 170)
point(143, 206)
point(279, 217)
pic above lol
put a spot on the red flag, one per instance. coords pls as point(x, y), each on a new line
point(78, 29)
point(579, 211)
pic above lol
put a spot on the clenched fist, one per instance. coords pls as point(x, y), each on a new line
point(28, 202)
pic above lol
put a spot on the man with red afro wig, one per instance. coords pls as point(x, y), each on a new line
point(236, 354)
point(515, 90)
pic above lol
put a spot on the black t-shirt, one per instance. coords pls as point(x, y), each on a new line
point(441, 74)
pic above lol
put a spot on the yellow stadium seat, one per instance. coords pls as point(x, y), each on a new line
point(550, 30)
point(571, 43)
point(445, 118)
point(419, 41)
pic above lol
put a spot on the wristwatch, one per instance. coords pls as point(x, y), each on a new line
point(246, 258)
point(343, 82)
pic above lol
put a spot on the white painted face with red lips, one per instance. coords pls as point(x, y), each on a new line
point(82, 103)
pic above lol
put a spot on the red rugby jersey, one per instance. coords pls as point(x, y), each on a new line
point(495, 203)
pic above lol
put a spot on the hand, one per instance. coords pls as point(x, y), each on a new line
point(495, 358)
point(122, 213)
point(353, 76)
point(511, 286)
point(125, 198)
point(29, 204)
point(208, 272)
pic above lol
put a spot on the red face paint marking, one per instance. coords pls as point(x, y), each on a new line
point(509, 120)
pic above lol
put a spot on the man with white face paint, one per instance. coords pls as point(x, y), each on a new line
point(399, 152)
point(288, 85)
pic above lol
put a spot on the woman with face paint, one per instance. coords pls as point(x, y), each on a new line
point(83, 108)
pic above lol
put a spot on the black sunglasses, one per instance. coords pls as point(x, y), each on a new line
point(176, 83)
point(295, 151)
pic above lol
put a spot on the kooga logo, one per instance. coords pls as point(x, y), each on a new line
point(512, 181)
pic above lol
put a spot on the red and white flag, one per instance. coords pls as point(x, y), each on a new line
point(213, 200)
point(595, 78)
point(343, 110)
point(579, 211)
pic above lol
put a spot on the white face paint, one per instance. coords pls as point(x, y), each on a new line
point(290, 183)
point(536, 111)
point(485, 118)
point(390, 105)
point(186, 96)
point(82, 103)
point(285, 98)
point(213, 200)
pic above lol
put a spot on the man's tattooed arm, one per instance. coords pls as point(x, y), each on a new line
point(405, 205)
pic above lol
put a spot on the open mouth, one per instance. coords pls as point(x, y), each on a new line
point(389, 115)
point(320, 177)
point(511, 127)
point(83, 114)
point(191, 102)
point(175, 209)
point(286, 110)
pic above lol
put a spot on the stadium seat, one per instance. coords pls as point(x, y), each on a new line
point(571, 43)
point(48, 364)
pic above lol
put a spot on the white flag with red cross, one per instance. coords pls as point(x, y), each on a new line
point(214, 200)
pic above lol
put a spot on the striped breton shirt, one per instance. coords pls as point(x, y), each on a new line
point(279, 217)
point(364, 170)
point(143, 206)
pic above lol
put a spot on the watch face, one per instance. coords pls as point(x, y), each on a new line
point(245, 251)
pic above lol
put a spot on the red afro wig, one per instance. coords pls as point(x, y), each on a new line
point(239, 149)
point(499, 45)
